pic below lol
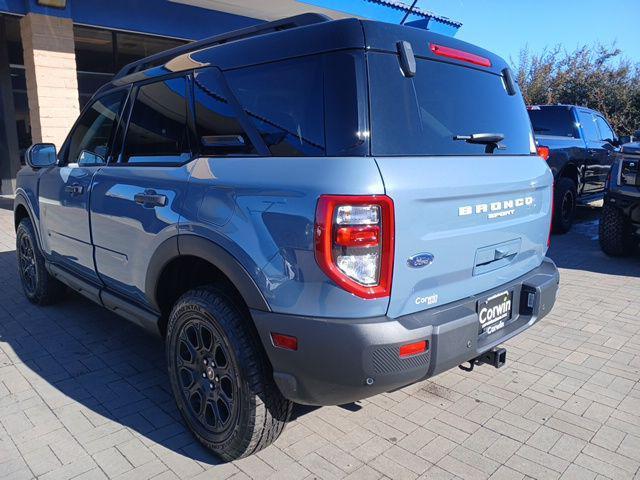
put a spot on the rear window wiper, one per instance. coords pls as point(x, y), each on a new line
point(491, 140)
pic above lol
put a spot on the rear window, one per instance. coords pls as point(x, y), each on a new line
point(556, 121)
point(422, 114)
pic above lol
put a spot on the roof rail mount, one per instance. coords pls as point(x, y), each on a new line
point(253, 31)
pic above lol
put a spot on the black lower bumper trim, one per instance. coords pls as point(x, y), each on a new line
point(343, 360)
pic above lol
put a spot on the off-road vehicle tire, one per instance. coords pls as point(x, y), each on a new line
point(616, 238)
point(39, 286)
point(564, 199)
point(221, 377)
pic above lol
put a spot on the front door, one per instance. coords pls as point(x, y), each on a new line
point(135, 200)
point(65, 189)
point(597, 161)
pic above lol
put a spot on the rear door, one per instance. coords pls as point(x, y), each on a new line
point(598, 159)
point(136, 199)
point(607, 137)
point(481, 213)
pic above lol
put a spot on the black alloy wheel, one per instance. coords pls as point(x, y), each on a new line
point(27, 263)
point(39, 286)
point(207, 375)
point(220, 375)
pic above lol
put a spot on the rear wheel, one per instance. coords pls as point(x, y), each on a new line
point(616, 238)
point(38, 285)
point(220, 376)
point(564, 199)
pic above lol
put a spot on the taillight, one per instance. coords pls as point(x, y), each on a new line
point(543, 152)
point(461, 55)
point(354, 238)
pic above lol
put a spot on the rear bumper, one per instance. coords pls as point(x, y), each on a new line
point(337, 358)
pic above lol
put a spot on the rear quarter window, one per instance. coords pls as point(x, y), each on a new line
point(422, 114)
point(285, 102)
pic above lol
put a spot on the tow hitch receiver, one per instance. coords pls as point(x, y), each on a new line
point(496, 357)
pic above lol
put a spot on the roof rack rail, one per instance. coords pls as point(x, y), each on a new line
point(260, 29)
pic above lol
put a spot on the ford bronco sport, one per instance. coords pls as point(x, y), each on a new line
point(307, 211)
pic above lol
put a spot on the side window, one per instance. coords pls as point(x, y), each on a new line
point(588, 123)
point(90, 140)
point(605, 130)
point(157, 131)
point(218, 130)
point(285, 101)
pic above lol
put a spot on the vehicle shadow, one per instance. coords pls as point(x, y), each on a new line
point(579, 249)
point(76, 351)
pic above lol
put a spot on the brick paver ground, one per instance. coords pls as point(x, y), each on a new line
point(84, 394)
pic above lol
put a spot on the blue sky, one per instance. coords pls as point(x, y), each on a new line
point(505, 26)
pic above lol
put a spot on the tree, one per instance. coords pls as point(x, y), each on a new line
point(597, 77)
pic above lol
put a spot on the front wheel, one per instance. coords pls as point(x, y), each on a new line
point(38, 285)
point(220, 376)
point(616, 238)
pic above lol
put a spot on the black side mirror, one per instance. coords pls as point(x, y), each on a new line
point(41, 155)
point(613, 141)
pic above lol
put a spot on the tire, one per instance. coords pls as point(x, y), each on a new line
point(221, 377)
point(616, 238)
point(564, 200)
point(38, 285)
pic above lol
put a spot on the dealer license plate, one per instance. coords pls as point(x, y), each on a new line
point(495, 311)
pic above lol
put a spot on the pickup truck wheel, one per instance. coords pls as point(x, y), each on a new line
point(616, 238)
point(221, 377)
point(564, 199)
point(39, 286)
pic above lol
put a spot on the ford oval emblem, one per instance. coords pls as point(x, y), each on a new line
point(420, 260)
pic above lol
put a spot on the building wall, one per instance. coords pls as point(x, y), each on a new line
point(52, 83)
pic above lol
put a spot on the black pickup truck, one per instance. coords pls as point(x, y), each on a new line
point(620, 220)
point(579, 146)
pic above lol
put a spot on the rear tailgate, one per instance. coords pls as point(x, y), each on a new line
point(469, 216)
point(485, 223)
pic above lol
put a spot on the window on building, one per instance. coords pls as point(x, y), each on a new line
point(157, 131)
point(100, 54)
point(18, 82)
point(215, 119)
point(92, 135)
point(132, 47)
point(285, 101)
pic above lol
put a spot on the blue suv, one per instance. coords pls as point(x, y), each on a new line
point(307, 211)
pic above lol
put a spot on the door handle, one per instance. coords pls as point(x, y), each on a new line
point(74, 189)
point(149, 198)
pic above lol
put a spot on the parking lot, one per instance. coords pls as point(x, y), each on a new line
point(84, 394)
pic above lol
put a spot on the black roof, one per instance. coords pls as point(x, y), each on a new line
point(292, 37)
